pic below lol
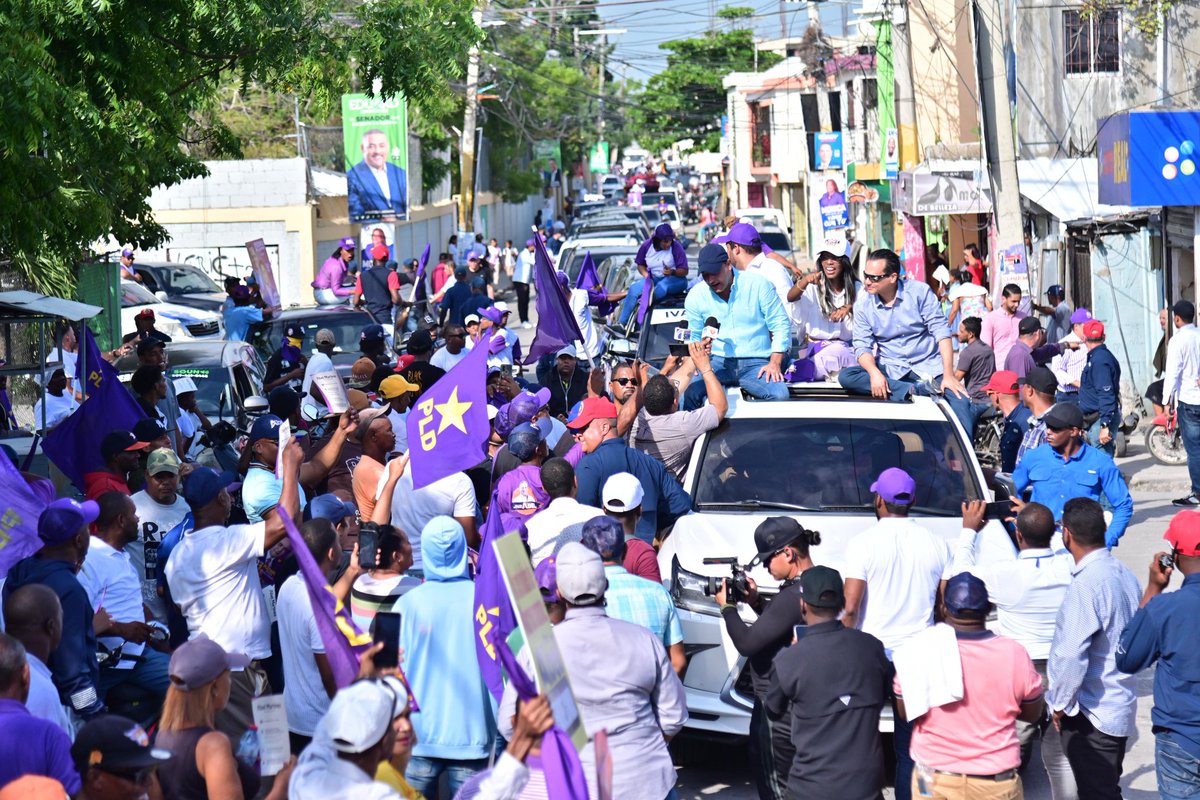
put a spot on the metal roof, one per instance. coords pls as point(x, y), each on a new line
point(42, 305)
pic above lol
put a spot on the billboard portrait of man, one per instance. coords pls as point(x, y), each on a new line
point(376, 188)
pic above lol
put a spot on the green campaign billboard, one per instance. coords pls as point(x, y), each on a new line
point(375, 130)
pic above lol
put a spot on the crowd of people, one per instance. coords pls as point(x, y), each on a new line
point(158, 607)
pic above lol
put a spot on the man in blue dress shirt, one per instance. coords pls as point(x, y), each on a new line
point(1066, 467)
point(754, 330)
point(901, 338)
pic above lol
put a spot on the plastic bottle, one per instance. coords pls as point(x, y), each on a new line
point(248, 747)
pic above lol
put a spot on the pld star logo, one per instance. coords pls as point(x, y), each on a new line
point(450, 415)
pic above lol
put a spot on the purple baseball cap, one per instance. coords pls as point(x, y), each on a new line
point(895, 485)
point(63, 519)
point(563, 280)
point(494, 314)
point(127, 252)
point(967, 596)
point(199, 661)
point(741, 233)
point(530, 242)
point(546, 575)
point(347, 243)
point(521, 409)
point(663, 232)
point(1081, 316)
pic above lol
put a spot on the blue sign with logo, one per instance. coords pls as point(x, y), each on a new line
point(1150, 158)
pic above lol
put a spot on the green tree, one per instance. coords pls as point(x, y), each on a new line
point(687, 99)
point(104, 101)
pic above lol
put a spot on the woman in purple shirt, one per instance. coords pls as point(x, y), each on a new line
point(663, 258)
point(328, 284)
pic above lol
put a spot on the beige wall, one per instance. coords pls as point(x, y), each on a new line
point(943, 65)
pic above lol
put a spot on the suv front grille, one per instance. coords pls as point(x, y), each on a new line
point(204, 328)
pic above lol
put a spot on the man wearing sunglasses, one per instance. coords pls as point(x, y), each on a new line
point(1066, 467)
point(902, 340)
point(115, 759)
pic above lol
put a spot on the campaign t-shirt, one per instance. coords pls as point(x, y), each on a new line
point(155, 521)
point(520, 491)
point(304, 695)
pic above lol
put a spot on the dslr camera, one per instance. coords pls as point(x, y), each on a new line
point(739, 585)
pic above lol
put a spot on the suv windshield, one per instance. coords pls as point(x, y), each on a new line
point(345, 326)
point(189, 280)
point(831, 463)
point(775, 241)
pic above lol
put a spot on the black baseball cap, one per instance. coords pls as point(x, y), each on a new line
point(1063, 415)
point(966, 596)
point(1029, 325)
point(148, 343)
point(822, 587)
point(420, 343)
point(773, 534)
point(294, 331)
point(1041, 379)
point(115, 744)
point(147, 430)
point(117, 441)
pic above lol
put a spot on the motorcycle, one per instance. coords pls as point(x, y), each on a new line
point(986, 441)
point(1164, 441)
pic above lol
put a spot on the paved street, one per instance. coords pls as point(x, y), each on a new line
point(709, 770)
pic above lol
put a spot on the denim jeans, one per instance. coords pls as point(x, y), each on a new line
point(902, 743)
point(1093, 438)
point(663, 287)
point(1178, 771)
point(1189, 431)
point(423, 773)
point(857, 380)
point(741, 372)
point(149, 674)
point(968, 411)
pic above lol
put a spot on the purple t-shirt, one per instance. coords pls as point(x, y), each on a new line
point(34, 746)
point(520, 491)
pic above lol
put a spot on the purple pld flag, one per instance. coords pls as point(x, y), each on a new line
point(589, 279)
point(344, 642)
point(644, 302)
point(74, 444)
point(448, 426)
point(556, 325)
point(565, 779)
point(19, 512)
point(494, 615)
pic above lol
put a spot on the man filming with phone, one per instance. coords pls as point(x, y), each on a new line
point(782, 546)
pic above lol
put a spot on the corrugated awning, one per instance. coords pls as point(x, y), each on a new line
point(1067, 188)
point(43, 305)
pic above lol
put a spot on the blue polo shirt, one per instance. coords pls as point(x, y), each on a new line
point(1088, 473)
point(34, 746)
point(662, 495)
point(1164, 630)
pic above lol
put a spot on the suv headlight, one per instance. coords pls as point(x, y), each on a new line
point(690, 591)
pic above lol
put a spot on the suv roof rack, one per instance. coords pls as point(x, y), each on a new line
point(824, 391)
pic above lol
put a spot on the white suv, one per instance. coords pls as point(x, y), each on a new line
point(812, 457)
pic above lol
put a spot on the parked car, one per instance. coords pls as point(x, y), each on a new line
point(182, 284)
point(610, 185)
point(570, 257)
point(777, 239)
point(812, 457)
point(346, 322)
point(178, 322)
point(760, 216)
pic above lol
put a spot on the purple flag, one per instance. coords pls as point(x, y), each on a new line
point(565, 779)
point(644, 302)
point(556, 325)
point(589, 279)
point(494, 615)
point(344, 642)
point(74, 444)
point(448, 427)
point(19, 512)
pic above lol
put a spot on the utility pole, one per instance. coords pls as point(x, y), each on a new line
point(906, 109)
point(603, 33)
point(466, 163)
point(999, 141)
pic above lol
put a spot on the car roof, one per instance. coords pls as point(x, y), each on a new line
point(186, 353)
point(296, 312)
point(824, 401)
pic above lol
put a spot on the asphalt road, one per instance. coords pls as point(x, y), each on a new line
point(708, 769)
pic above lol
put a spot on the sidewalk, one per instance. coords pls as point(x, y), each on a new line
point(1143, 473)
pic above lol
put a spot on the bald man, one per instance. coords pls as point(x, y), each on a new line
point(34, 617)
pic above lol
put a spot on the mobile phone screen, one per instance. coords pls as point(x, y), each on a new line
point(998, 509)
point(386, 629)
point(368, 547)
point(798, 631)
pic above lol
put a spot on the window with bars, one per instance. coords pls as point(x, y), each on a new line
point(1093, 43)
point(760, 135)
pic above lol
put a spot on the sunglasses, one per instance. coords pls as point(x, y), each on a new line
point(626, 381)
point(869, 278)
point(138, 777)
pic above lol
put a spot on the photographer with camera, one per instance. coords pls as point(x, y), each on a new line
point(783, 549)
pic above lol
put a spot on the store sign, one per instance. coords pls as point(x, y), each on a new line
point(925, 194)
point(1149, 158)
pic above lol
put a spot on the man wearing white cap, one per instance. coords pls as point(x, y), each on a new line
point(622, 680)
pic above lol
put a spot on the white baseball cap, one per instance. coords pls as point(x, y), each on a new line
point(622, 492)
point(579, 574)
point(502, 307)
point(359, 716)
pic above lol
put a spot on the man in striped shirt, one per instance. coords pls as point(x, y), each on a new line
point(1068, 367)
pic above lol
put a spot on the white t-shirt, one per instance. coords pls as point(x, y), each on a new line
point(154, 522)
point(57, 409)
point(110, 583)
point(593, 339)
point(452, 496)
point(43, 701)
point(505, 356)
point(902, 564)
point(399, 424)
point(213, 575)
point(546, 526)
point(444, 359)
point(813, 323)
point(304, 695)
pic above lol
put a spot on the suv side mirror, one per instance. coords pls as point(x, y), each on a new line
point(622, 348)
point(1002, 486)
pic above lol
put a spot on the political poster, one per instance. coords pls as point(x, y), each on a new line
point(547, 158)
point(826, 149)
point(375, 133)
point(914, 247)
point(274, 746)
point(598, 160)
point(548, 666)
point(264, 275)
point(832, 205)
point(891, 153)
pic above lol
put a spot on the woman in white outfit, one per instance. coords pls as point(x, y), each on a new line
point(825, 315)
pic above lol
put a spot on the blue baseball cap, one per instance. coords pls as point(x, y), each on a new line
point(331, 507)
point(265, 427)
point(203, 485)
point(525, 438)
point(966, 596)
point(1057, 290)
point(372, 333)
point(712, 259)
point(64, 518)
point(605, 537)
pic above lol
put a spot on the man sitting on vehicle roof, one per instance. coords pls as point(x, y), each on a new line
point(664, 259)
